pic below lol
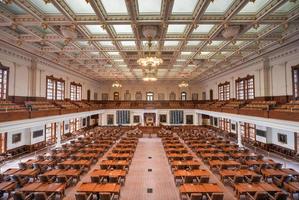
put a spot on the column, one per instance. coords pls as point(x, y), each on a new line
point(266, 78)
point(239, 136)
point(58, 135)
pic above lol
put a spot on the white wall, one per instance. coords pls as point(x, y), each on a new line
point(290, 138)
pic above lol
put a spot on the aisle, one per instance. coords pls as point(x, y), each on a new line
point(139, 179)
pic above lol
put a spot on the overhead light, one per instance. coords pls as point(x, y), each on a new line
point(183, 84)
point(116, 84)
point(149, 61)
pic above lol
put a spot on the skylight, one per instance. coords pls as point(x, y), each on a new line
point(127, 43)
point(186, 53)
point(48, 8)
point(15, 9)
point(106, 43)
point(115, 6)
point(176, 28)
point(218, 6)
point(171, 43)
point(256, 30)
point(123, 29)
point(83, 43)
point(203, 28)
point(287, 7)
point(215, 43)
point(184, 6)
point(81, 7)
point(95, 29)
point(253, 7)
point(205, 53)
point(149, 6)
point(113, 53)
point(193, 43)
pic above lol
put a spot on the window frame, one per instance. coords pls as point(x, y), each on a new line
point(75, 91)
point(295, 84)
point(183, 96)
point(150, 94)
point(244, 86)
point(4, 93)
point(54, 89)
point(224, 91)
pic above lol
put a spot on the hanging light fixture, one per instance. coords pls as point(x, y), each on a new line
point(116, 84)
point(149, 33)
point(183, 84)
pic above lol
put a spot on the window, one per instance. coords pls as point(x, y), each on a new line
point(248, 131)
point(189, 119)
point(225, 124)
point(176, 117)
point(245, 88)
point(260, 133)
point(127, 95)
point(295, 73)
point(50, 133)
point(105, 96)
point(3, 82)
point(183, 96)
point(211, 95)
point(55, 88)
point(149, 96)
point(204, 96)
point(123, 117)
point(77, 124)
point(95, 96)
point(161, 96)
point(16, 138)
point(72, 125)
point(110, 119)
point(282, 138)
point(37, 134)
point(115, 96)
point(163, 118)
point(224, 91)
point(76, 92)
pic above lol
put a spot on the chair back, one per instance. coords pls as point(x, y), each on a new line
point(61, 179)
point(95, 179)
point(188, 179)
point(261, 196)
point(217, 196)
point(196, 196)
point(40, 157)
point(43, 178)
point(40, 196)
point(256, 179)
point(81, 196)
point(105, 196)
point(204, 179)
point(18, 196)
point(22, 165)
point(238, 179)
point(281, 196)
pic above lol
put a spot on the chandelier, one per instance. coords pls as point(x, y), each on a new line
point(116, 84)
point(183, 84)
point(149, 33)
point(149, 77)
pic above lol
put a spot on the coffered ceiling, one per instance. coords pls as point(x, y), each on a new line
point(103, 39)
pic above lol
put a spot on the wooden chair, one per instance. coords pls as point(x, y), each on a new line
point(204, 179)
point(19, 181)
point(254, 179)
point(21, 196)
point(195, 196)
point(83, 196)
point(216, 196)
point(280, 196)
point(43, 196)
point(22, 165)
point(259, 196)
point(188, 179)
point(45, 179)
point(280, 181)
point(64, 179)
point(95, 179)
point(106, 196)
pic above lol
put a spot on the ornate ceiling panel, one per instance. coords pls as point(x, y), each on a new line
point(103, 39)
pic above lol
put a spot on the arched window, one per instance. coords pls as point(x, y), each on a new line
point(172, 96)
point(127, 95)
point(183, 96)
point(149, 96)
point(115, 96)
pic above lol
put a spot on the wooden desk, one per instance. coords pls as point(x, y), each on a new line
point(243, 188)
point(243, 155)
point(85, 163)
point(220, 163)
point(204, 188)
point(123, 150)
point(10, 171)
point(176, 150)
point(260, 162)
point(185, 163)
point(98, 150)
point(40, 162)
point(108, 173)
point(99, 188)
point(119, 156)
point(206, 150)
point(7, 186)
point(292, 187)
point(115, 163)
point(193, 173)
point(226, 173)
point(86, 155)
point(27, 172)
point(44, 187)
point(179, 155)
point(213, 155)
point(64, 172)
